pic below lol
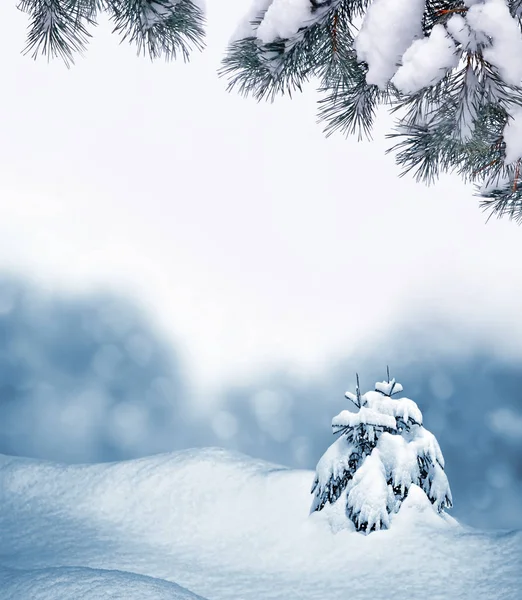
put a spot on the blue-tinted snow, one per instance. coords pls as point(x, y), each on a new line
point(225, 527)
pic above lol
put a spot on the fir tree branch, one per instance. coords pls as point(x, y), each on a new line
point(159, 28)
point(58, 28)
point(265, 70)
point(450, 125)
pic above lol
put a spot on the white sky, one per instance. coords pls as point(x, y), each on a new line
point(252, 239)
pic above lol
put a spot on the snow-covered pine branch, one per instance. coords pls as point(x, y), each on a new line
point(157, 27)
point(383, 449)
point(450, 69)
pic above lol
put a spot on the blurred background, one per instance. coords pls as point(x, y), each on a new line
point(183, 267)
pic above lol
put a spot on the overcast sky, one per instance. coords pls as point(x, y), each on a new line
point(251, 239)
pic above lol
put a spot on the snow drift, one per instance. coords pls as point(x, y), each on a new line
point(225, 526)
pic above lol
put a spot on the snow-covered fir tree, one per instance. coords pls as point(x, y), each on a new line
point(449, 69)
point(382, 450)
point(157, 27)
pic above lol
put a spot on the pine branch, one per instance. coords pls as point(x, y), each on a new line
point(58, 28)
point(449, 119)
point(349, 104)
point(358, 391)
point(504, 201)
point(159, 28)
point(439, 11)
point(265, 70)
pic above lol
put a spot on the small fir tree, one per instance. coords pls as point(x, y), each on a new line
point(382, 450)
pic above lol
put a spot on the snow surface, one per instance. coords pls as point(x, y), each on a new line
point(88, 584)
point(388, 30)
point(492, 18)
point(368, 493)
point(225, 526)
point(283, 19)
point(426, 443)
point(402, 408)
point(246, 28)
point(365, 416)
point(279, 19)
point(333, 463)
point(460, 31)
point(426, 61)
point(399, 458)
point(388, 388)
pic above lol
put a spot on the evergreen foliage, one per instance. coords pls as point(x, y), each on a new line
point(450, 70)
point(382, 451)
point(159, 28)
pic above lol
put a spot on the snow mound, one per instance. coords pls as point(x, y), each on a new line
point(87, 584)
point(225, 527)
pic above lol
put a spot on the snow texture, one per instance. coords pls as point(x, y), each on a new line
point(271, 20)
point(334, 461)
point(388, 30)
point(365, 416)
point(426, 445)
point(403, 408)
point(71, 583)
point(226, 527)
point(399, 458)
point(426, 61)
point(283, 19)
point(492, 18)
point(368, 494)
point(461, 33)
point(330, 471)
point(400, 408)
point(513, 136)
point(247, 27)
point(388, 388)
point(438, 489)
point(353, 398)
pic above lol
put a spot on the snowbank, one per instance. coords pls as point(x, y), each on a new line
point(88, 584)
point(225, 527)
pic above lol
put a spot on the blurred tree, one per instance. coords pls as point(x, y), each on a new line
point(84, 378)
